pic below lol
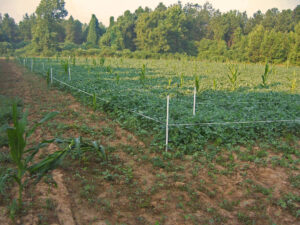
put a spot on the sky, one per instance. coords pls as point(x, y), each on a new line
point(103, 9)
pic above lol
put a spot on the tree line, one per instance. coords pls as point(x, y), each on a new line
point(190, 30)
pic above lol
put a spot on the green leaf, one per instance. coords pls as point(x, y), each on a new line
point(49, 116)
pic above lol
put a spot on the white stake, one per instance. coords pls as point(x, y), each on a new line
point(51, 78)
point(31, 65)
point(194, 107)
point(167, 123)
point(69, 74)
point(24, 62)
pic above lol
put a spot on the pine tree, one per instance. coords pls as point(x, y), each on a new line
point(93, 33)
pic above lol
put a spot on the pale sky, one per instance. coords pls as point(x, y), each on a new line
point(103, 9)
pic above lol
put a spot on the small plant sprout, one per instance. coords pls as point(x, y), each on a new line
point(94, 101)
point(169, 82)
point(102, 61)
point(266, 75)
point(181, 80)
point(117, 78)
point(108, 69)
point(65, 65)
point(233, 75)
point(197, 83)
point(293, 82)
point(143, 74)
point(214, 84)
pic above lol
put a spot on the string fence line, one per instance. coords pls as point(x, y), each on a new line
point(130, 110)
point(236, 122)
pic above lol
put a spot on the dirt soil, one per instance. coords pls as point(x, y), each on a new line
point(139, 185)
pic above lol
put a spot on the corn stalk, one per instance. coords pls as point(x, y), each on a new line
point(233, 75)
point(266, 74)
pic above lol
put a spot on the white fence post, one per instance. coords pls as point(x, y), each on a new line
point(51, 78)
point(167, 123)
point(194, 107)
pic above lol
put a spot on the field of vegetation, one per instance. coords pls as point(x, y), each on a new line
point(235, 103)
point(222, 172)
point(180, 114)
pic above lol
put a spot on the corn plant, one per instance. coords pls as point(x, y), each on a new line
point(181, 80)
point(197, 83)
point(214, 84)
point(65, 65)
point(94, 101)
point(23, 157)
point(109, 70)
point(266, 75)
point(233, 75)
point(94, 62)
point(17, 139)
point(293, 82)
point(102, 61)
point(117, 78)
point(169, 82)
point(143, 74)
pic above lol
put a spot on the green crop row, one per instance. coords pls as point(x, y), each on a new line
point(142, 86)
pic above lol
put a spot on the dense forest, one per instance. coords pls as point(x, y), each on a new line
point(191, 30)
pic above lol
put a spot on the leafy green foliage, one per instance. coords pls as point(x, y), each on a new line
point(197, 83)
point(233, 76)
point(249, 102)
point(266, 75)
point(293, 82)
point(23, 157)
point(143, 74)
point(94, 101)
point(17, 138)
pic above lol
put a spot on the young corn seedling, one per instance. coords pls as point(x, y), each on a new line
point(109, 70)
point(233, 76)
point(102, 61)
point(293, 82)
point(117, 78)
point(17, 139)
point(266, 75)
point(65, 65)
point(214, 84)
point(181, 80)
point(143, 74)
point(197, 83)
point(169, 82)
point(94, 62)
point(23, 157)
point(94, 101)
